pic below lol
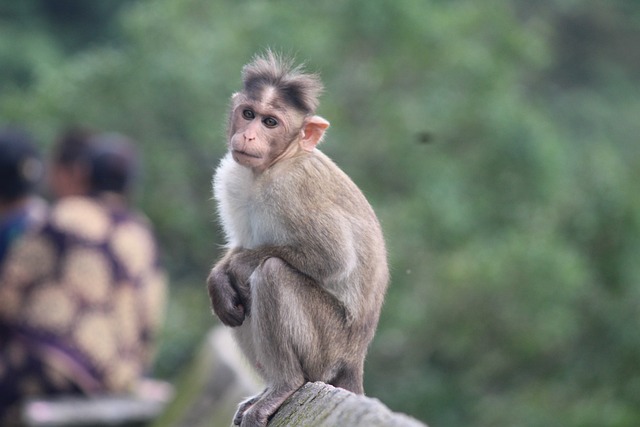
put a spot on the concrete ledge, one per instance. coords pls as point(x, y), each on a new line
point(321, 405)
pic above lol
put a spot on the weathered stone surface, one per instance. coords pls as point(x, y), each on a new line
point(321, 405)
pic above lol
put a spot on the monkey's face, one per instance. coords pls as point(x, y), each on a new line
point(261, 134)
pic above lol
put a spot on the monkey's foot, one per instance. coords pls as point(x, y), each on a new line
point(259, 409)
point(243, 407)
point(254, 419)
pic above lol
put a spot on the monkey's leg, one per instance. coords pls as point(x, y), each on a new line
point(350, 378)
point(286, 310)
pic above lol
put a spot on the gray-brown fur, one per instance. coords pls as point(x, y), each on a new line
point(305, 275)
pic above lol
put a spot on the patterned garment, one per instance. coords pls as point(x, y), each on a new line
point(81, 301)
point(17, 222)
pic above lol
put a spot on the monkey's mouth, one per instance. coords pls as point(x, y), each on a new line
point(245, 154)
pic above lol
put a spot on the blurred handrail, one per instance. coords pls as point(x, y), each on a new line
point(138, 408)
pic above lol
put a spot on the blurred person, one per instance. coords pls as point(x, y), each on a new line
point(20, 173)
point(70, 163)
point(82, 299)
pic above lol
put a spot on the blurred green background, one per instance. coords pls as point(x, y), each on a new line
point(498, 141)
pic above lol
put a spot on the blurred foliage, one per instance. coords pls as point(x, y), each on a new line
point(496, 139)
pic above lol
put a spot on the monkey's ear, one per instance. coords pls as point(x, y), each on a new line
point(312, 132)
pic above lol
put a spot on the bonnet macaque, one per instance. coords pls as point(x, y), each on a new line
point(304, 277)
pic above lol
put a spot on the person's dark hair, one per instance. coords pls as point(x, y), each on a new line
point(73, 147)
point(21, 167)
point(113, 165)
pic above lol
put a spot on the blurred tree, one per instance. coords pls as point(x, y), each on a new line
point(497, 141)
point(38, 32)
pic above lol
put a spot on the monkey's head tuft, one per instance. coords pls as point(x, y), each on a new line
point(296, 87)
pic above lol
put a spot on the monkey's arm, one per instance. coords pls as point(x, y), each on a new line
point(229, 290)
point(326, 255)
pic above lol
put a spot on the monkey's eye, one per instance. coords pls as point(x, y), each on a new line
point(248, 114)
point(270, 122)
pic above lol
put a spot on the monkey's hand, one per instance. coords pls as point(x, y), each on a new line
point(226, 302)
point(241, 265)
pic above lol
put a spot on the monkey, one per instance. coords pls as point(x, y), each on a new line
point(305, 272)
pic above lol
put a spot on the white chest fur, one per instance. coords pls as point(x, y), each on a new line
point(235, 192)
